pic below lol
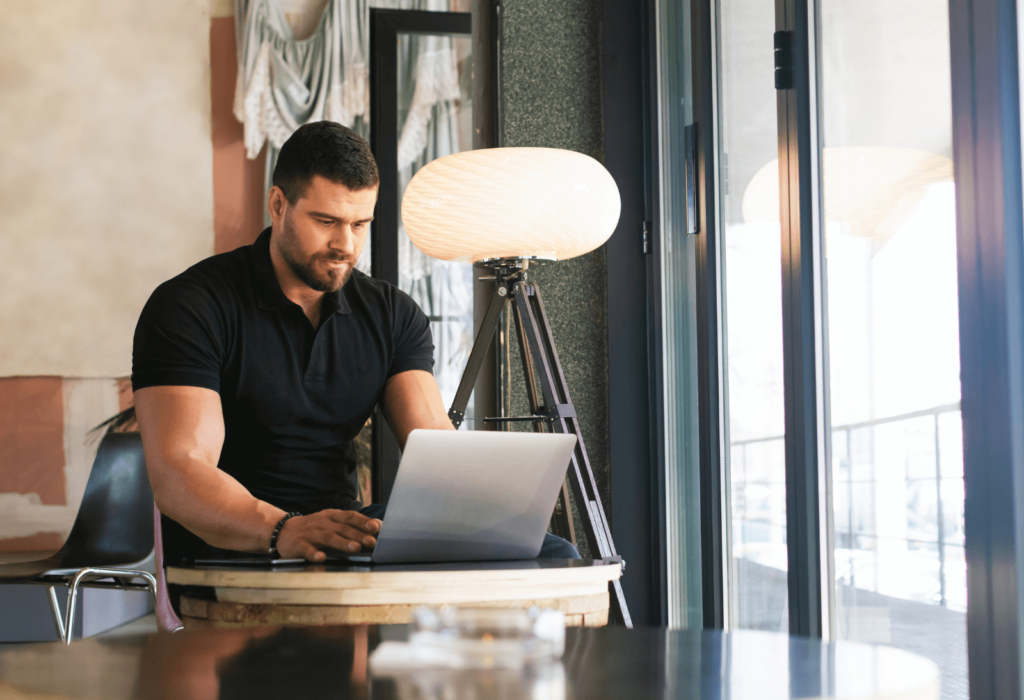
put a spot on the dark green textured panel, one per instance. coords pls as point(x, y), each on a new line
point(551, 77)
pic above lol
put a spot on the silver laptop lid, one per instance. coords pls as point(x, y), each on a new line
point(473, 496)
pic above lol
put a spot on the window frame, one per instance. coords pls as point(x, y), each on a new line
point(990, 269)
point(990, 252)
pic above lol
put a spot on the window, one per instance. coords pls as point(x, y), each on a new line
point(830, 259)
point(888, 204)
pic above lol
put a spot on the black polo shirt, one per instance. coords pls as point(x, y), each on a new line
point(293, 396)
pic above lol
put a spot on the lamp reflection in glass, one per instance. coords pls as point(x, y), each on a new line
point(871, 190)
point(510, 203)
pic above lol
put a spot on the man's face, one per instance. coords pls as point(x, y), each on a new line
point(321, 236)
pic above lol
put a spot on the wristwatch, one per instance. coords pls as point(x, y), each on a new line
point(274, 554)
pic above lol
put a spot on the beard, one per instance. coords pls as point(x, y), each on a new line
point(315, 272)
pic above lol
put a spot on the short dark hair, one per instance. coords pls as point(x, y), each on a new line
point(327, 149)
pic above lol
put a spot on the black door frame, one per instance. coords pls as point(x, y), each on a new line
point(803, 337)
point(990, 267)
point(709, 383)
point(637, 477)
point(385, 26)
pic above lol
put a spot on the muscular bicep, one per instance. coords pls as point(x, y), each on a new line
point(182, 428)
point(183, 433)
point(412, 400)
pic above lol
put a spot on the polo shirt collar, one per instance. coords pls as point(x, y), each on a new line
point(268, 289)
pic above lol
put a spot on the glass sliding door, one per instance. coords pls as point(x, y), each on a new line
point(863, 358)
point(754, 459)
point(873, 191)
point(435, 119)
point(901, 293)
point(890, 239)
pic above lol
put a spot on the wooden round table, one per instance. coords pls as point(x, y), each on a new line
point(331, 595)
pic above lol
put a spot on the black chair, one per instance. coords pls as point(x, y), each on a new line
point(112, 532)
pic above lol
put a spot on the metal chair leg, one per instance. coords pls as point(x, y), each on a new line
point(91, 574)
point(151, 584)
point(69, 616)
point(55, 611)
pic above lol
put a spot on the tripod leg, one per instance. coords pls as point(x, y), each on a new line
point(528, 372)
point(559, 377)
point(556, 396)
point(476, 357)
point(561, 519)
point(597, 542)
point(618, 604)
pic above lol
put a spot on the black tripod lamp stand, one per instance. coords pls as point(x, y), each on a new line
point(503, 209)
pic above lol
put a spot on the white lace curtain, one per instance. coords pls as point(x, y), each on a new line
point(285, 82)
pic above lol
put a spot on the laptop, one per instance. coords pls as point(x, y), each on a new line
point(464, 496)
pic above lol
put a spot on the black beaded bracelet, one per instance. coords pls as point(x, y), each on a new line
point(274, 554)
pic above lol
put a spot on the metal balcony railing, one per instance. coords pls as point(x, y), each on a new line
point(851, 533)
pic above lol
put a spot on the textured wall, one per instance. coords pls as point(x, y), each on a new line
point(105, 174)
point(45, 446)
point(551, 73)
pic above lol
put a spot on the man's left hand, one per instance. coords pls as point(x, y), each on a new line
point(345, 530)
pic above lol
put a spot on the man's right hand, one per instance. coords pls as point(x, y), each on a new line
point(346, 530)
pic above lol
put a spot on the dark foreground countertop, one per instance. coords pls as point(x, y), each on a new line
point(331, 662)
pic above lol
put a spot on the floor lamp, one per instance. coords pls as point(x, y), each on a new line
point(503, 209)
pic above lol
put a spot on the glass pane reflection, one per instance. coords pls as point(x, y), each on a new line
point(435, 119)
point(752, 311)
point(897, 470)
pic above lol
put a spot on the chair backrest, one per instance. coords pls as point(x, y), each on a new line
point(114, 525)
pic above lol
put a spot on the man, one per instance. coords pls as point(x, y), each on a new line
point(253, 371)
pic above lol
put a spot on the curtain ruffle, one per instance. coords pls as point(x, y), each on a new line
point(284, 83)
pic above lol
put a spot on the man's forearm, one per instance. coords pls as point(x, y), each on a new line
point(214, 506)
point(182, 432)
point(412, 400)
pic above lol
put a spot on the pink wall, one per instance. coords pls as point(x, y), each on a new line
point(237, 182)
point(32, 448)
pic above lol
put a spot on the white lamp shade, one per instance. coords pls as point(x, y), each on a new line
point(510, 203)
